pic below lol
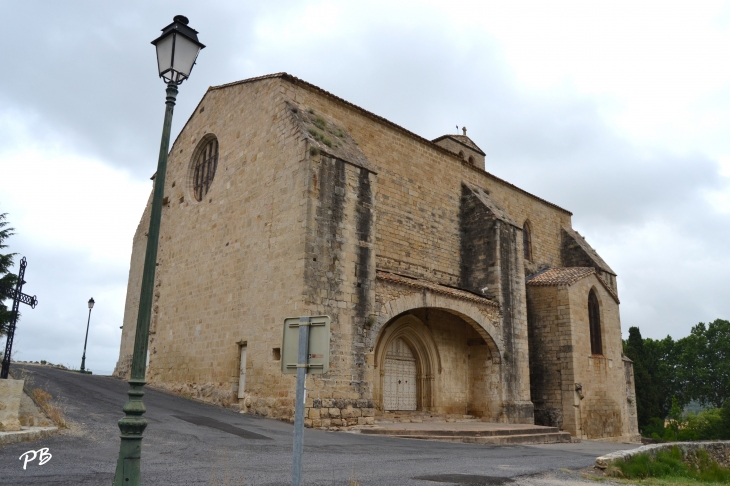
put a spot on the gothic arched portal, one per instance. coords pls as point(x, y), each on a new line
point(405, 352)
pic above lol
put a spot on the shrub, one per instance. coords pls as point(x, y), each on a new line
point(655, 429)
point(669, 464)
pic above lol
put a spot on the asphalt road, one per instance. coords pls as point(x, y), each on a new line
point(188, 442)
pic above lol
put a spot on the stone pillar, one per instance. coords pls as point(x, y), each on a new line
point(10, 393)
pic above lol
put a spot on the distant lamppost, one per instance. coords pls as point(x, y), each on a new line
point(177, 50)
point(83, 358)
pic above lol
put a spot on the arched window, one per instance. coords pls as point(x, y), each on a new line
point(594, 320)
point(527, 240)
point(471, 160)
point(206, 162)
point(461, 154)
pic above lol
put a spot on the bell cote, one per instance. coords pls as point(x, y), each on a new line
point(462, 146)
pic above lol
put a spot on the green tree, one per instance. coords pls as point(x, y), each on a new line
point(655, 376)
point(704, 369)
point(7, 279)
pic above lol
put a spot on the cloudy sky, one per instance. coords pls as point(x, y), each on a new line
point(619, 112)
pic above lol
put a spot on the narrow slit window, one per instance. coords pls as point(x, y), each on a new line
point(527, 240)
point(206, 164)
point(594, 320)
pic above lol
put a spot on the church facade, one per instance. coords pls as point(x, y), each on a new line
point(451, 292)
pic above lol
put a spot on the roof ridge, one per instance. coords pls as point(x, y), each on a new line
point(293, 79)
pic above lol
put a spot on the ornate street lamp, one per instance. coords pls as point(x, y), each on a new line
point(83, 358)
point(177, 50)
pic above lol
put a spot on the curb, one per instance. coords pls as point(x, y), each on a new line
point(26, 434)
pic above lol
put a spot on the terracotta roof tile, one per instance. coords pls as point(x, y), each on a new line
point(560, 276)
point(565, 277)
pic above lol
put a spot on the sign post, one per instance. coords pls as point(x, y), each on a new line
point(296, 475)
point(305, 349)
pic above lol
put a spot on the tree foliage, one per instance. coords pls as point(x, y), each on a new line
point(655, 375)
point(7, 279)
point(669, 374)
point(705, 363)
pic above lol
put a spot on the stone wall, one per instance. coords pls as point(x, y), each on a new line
point(719, 451)
point(340, 270)
point(419, 192)
point(231, 266)
point(134, 285)
point(601, 413)
point(551, 370)
point(589, 395)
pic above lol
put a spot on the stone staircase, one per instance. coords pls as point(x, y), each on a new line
point(417, 417)
point(461, 428)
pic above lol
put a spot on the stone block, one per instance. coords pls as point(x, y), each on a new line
point(334, 412)
point(10, 395)
point(350, 412)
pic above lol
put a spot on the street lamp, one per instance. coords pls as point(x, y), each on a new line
point(83, 358)
point(177, 50)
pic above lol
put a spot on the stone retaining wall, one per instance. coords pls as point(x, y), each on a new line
point(719, 451)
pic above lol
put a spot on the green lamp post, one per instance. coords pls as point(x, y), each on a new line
point(86, 339)
point(177, 50)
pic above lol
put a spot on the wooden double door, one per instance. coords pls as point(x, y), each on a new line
point(401, 377)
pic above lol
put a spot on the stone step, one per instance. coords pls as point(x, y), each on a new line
point(456, 432)
point(541, 438)
point(420, 417)
point(419, 420)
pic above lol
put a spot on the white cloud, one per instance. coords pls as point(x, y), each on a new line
point(65, 201)
point(74, 218)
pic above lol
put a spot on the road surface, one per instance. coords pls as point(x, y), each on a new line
point(187, 442)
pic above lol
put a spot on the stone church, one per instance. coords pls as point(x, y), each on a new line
point(451, 292)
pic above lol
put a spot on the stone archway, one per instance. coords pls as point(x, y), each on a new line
point(456, 343)
point(482, 322)
point(421, 353)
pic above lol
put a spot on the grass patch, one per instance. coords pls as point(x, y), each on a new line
point(55, 411)
point(669, 466)
point(320, 123)
point(320, 137)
